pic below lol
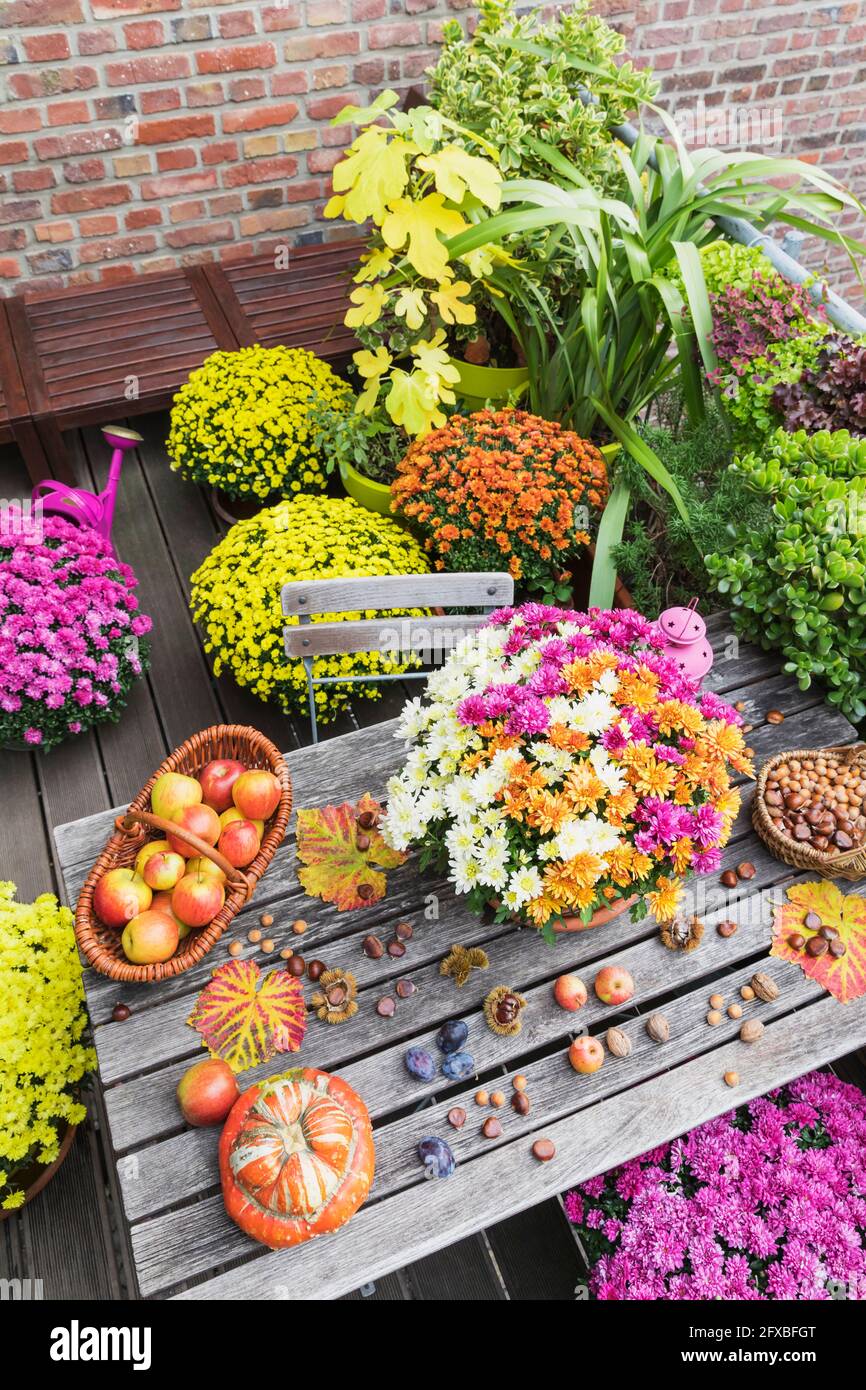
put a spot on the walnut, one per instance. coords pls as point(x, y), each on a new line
point(618, 1043)
point(751, 1030)
point(765, 987)
point(658, 1028)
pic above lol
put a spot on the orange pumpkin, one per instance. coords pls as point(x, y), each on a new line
point(296, 1157)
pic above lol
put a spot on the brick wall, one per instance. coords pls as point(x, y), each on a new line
point(138, 133)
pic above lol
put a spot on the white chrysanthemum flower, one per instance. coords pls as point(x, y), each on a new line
point(594, 713)
point(608, 682)
point(587, 834)
point(523, 886)
point(547, 850)
point(607, 770)
point(465, 875)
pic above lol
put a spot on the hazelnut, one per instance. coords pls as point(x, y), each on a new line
point(235, 948)
point(658, 1028)
point(481, 1097)
point(717, 1001)
point(286, 952)
point(618, 1043)
point(268, 946)
point(254, 935)
point(747, 993)
point(266, 919)
point(714, 1018)
point(497, 1098)
point(732, 1078)
point(751, 1030)
point(735, 1011)
point(519, 1083)
point(765, 987)
point(299, 927)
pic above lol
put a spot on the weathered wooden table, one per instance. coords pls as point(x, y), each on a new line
point(182, 1243)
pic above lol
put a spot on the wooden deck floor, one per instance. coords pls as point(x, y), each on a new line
point(69, 1237)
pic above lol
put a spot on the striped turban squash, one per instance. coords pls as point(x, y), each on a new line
point(296, 1157)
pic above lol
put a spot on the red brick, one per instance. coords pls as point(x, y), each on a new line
point(78, 142)
point(281, 167)
point(52, 82)
point(116, 248)
point(307, 46)
point(144, 33)
point(168, 161)
point(115, 9)
point(327, 12)
point(10, 269)
point(323, 161)
point(323, 108)
point(204, 94)
point(46, 48)
point(247, 89)
point(399, 35)
point(84, 170)
point(33, 180)
point(14, 152)
point(238, 24)
point(94, 41)
point(166, 187)
point(160, 99)
point(68, 113)
point(137, 218)
point(260, 118)
point(304, 192)
point(13, 239)
point(23, 118)
point(191, 28)
point(276, 220)
point(38, 13)
point(150, 69)
point(54, 231)
point(279, 17)
point(335, 76)
point(205, 235)
point(241, 59)
point(264, 198)
point(97, 226)
point(20, 210)
point(225, 203)
point(289, 84)
point(368, 9)
point(175, 129)
point(187, 212)
point(221, 152)
point(87, 199)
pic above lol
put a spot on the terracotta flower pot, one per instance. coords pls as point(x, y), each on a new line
point(599, 918)
point(42, 1173)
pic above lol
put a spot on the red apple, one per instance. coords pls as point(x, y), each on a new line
point(197, 899)
point(152, 847)
point(162, 903)
point(203, 821)
point(163, 870)
point(119, 896)
point(256, 794)
point(149, 937)
point(217, 780)
point(614, 985)
point(171, 792)
point(205, 866)
point(569, 991)
point(206, 1092)
point(586, 1054)
point(233, 814)
point(239, 842)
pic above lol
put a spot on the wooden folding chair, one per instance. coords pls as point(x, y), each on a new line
point(428, 637)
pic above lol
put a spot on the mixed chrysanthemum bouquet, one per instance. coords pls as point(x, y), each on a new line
point(560, 762)
point(767, 1202)
point(70, 633)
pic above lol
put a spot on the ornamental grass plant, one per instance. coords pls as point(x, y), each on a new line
point(43, 1057)
point(767, 1202)
point(236, 595)
point(503, 489)
point(240, 424)
point(71, 636)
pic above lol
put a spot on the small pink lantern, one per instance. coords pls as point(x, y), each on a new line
point(85, 508)
point(685, 637)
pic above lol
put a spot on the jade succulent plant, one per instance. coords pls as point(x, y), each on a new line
point(797, 579)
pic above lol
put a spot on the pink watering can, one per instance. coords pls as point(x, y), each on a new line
point(76, 504)
point(685, 636)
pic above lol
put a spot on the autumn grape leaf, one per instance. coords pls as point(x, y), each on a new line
point(419, 222)
point(411, 403)
point(372, 174)
point(844, 976)
point(246, 1023)
point(449, 302)
point(335, 868)
point(454, 171)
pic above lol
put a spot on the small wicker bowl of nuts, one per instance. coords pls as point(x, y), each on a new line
point(809, 808)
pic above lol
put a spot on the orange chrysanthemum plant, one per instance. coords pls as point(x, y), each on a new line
point(503, 489)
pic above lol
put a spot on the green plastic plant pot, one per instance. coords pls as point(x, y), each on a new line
point(376, 497)
point(477, 385)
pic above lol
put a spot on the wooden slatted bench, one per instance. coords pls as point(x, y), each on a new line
point(84, 356)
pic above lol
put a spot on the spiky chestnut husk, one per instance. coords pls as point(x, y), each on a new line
point(328, 1011)
point(506, 1028)
point(461, 961)
point(682, 934)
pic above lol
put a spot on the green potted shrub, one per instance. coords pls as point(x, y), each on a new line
point(365, 450)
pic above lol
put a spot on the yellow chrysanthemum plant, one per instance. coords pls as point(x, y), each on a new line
point(562, 769)
point(43, 1057)
point(236, 596)
point(241, 422)
point(420, 189)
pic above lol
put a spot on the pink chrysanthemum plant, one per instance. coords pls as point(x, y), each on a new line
point(558, 763)
point(70, 634)
point(767, 1202)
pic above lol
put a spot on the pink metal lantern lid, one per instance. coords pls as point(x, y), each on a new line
point(685, 639)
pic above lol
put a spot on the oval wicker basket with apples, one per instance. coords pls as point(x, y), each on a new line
point(183, 860)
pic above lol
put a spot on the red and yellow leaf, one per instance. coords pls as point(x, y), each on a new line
point(335, 869)
point(844, 976)
point(246, 1023)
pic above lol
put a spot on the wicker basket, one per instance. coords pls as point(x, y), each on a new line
point(101, 945)
point(848, 864)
